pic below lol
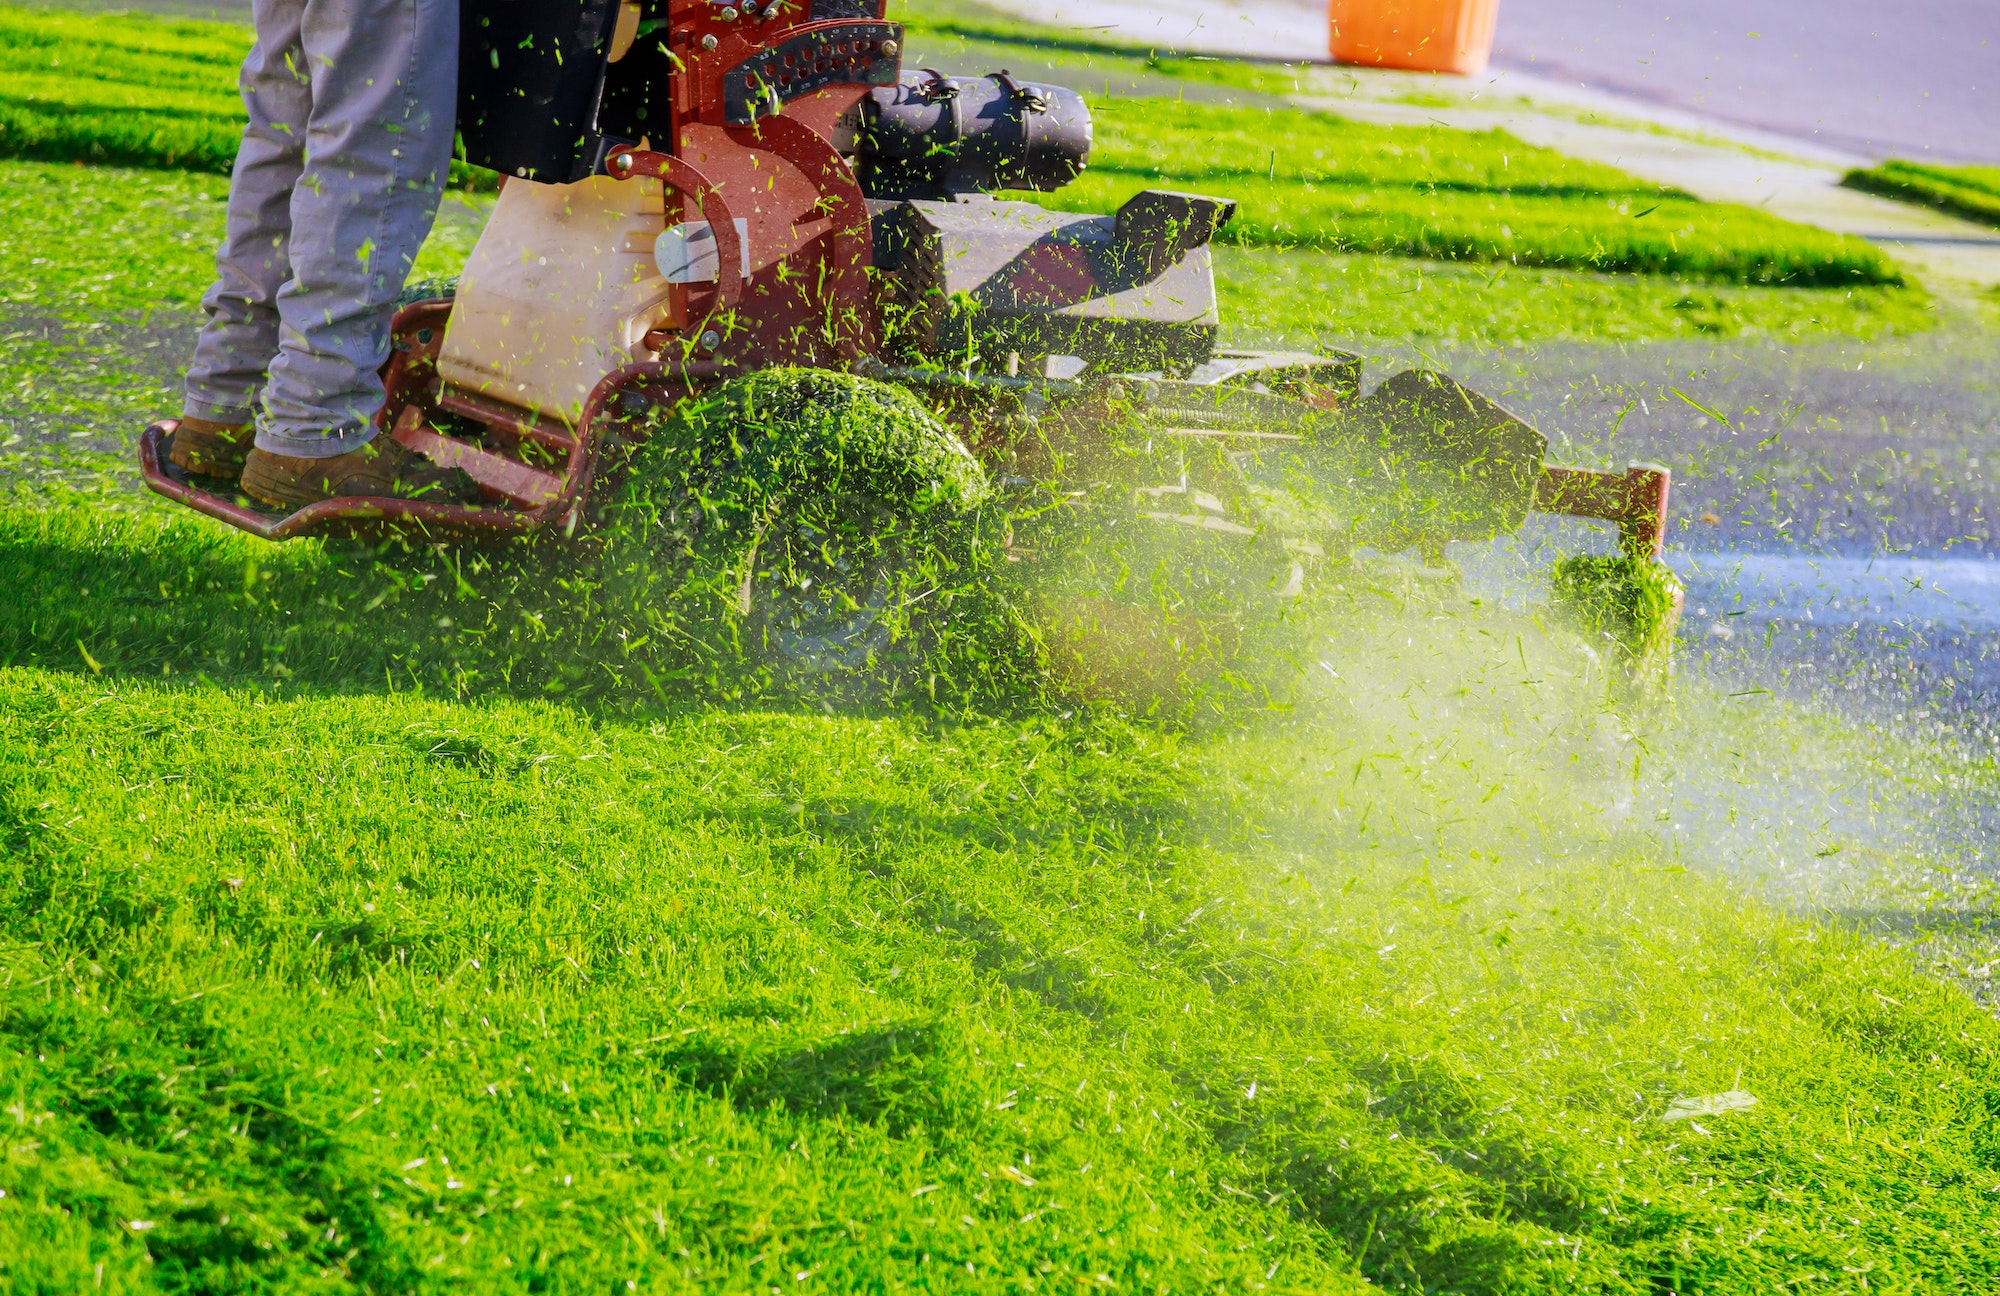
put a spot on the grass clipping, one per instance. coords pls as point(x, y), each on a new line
point(1630, 604)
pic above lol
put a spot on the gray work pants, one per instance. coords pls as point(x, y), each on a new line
point(335, 187)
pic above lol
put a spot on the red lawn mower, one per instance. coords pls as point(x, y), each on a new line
point(699, 189)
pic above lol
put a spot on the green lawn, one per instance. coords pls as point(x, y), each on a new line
point(1969, 191)
point(91, 344)
point(141, 91)
point(954, 25)
point(128, 88)
point(1302, 299)
point(340, 951)
point(124, 88)
point(341, 986)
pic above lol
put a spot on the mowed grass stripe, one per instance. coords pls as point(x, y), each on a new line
point(1969, 191)
point(1313, 180)
point(120, 87)
point(130, 89)
point(1307, 299)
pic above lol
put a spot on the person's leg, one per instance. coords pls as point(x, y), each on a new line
point(240, 336)
point(384, 79)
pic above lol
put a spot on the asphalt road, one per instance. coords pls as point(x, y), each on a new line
point(1919, 79)
point(1839, 534)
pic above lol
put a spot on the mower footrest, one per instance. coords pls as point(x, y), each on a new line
point(499, 478)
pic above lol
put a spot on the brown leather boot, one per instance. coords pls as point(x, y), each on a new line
point(211, 449)
point(382, 469)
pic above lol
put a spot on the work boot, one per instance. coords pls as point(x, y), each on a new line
point(211, 449)
point(382, 469)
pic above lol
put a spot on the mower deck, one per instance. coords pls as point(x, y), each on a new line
point(534, 472)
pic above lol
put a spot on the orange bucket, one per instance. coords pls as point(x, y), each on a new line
point(1424, 35)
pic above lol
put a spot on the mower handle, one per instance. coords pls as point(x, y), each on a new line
point(683, 177)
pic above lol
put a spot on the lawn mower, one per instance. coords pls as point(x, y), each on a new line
point(695, 190)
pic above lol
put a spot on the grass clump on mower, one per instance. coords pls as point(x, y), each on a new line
point(795, 520)
point(1629, 603)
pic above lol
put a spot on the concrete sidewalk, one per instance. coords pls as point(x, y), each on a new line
point(1792, 178)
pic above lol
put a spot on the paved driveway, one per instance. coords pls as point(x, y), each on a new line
point(1920, 78)
point(1916, 79)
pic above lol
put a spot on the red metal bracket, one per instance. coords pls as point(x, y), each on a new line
point(850, 314)
point(1635, 500)
point(507, 480)
point(683, 177)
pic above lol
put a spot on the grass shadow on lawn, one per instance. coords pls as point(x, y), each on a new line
point(140, 594)
point(890, 1075)
point(150, 593)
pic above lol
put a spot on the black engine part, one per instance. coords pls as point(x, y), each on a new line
point(975, 274)
point(529, 78)
point(934, 136)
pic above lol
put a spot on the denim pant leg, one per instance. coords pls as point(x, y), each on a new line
point(240, 337)
point(378, 150)
point(373, 148)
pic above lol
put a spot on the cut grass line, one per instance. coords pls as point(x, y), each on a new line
point(1312, 180)
point(1972, 192)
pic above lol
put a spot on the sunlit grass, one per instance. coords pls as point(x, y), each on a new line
point(313, 975)
point(92, 342)
point(1312, 179)
point(128, 89)
point(1969, 191)
point(1302, 299)
point(125, 88)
